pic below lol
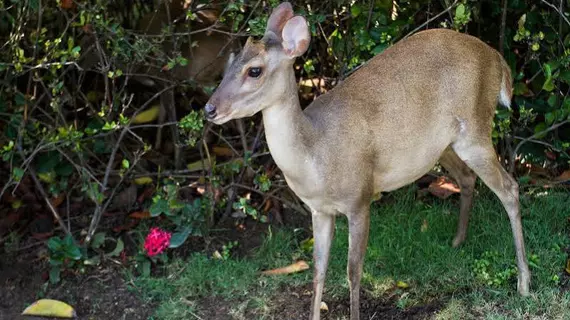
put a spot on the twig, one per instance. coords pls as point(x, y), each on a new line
point(540, 142)
point(284, 201)
point(431, 19)
point(45, 196)
point(557, 10)
point(503, 25)
point(100, 209)
point(224, 140)
point(370, 10)
point(522, 142)
point(406, 36)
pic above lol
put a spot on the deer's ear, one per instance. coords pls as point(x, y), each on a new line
point(296, 37)
point(279, 17)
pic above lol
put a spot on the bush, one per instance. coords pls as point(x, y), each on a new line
point(77, 115)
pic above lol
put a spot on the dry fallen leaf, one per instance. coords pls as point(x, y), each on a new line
point(124, 199)
point(292, 268)
point(140, 215)
point(147, 116)
point(443, 187)
point(55, 202)
point(50, 308)
point(568, 266)
point(324, 307)
point(565, 176)
point(424, 226)
point(222, 151)
point(217, 255)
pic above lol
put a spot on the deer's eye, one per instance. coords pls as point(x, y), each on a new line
point(254, 72)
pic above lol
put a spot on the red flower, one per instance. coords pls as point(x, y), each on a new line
point(156, 241)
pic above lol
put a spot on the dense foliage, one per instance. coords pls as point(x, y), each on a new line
point(81, 84)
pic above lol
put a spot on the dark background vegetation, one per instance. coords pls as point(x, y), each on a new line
point(80, 169)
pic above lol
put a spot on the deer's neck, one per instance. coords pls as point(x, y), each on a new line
point(289, 132)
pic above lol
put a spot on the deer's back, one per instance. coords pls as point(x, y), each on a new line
point(396, 115)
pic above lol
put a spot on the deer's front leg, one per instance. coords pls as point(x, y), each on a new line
point(323, 231)
point(358, 227)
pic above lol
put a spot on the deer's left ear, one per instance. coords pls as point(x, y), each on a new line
point(279, 16)
point(296, 37)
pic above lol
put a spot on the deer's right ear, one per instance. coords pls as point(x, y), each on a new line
point(279, 17)
point(296, 37)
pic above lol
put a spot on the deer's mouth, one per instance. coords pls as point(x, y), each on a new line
point(219, 119)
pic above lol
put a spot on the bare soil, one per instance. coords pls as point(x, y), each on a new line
point(101, 294)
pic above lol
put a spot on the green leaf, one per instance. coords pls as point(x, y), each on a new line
point(547, 70)
point(54, 244)
point(118, 249)
point(54, 273)
point(355, 10)
point(125, 163)
point(380, 48)
point(549, 117)
point(520, 88)
point(548, 84)
point(64, 169)
point(552, 100)
point(18, 173)
point(48, 161)
point(98, 240)
point(565, 76)
point(178, 238)
point(160, 206)
point(539, 128)
point(460, 11)
point(145, 268)
point(92, 261)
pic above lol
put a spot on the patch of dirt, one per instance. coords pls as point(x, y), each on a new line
point(249, 234)
point(101, 294)
point(295, 303)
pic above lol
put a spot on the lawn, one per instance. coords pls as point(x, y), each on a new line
point(411, 270)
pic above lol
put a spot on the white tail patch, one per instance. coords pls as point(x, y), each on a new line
point(504, 98)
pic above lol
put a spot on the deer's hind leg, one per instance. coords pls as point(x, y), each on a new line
point(480, 156)
point(465, 177)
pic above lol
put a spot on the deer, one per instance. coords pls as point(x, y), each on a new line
point(429, 97)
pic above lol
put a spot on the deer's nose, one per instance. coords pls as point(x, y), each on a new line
point(210, 110)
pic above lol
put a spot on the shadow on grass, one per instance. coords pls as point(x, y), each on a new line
point(410, 245)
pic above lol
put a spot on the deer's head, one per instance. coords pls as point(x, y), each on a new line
point(257, 77)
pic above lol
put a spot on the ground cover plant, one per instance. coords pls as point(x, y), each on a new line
point(410, 265)
point(112, 184)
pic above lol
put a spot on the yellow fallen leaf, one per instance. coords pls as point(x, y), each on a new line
point(197, 165)
point(324, 307)
point(307, 244)
point(217, 255)
point(143, 180)
point(568, 266)
point(148, 115)
point(402, 285)
point(50, 308)
point(16, 204)
point(292, 268)
point(47, 177)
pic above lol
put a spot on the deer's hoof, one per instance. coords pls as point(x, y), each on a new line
point(457, 241)
point(523, 285)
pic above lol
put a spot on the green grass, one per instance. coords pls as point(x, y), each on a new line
point(398, 250)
